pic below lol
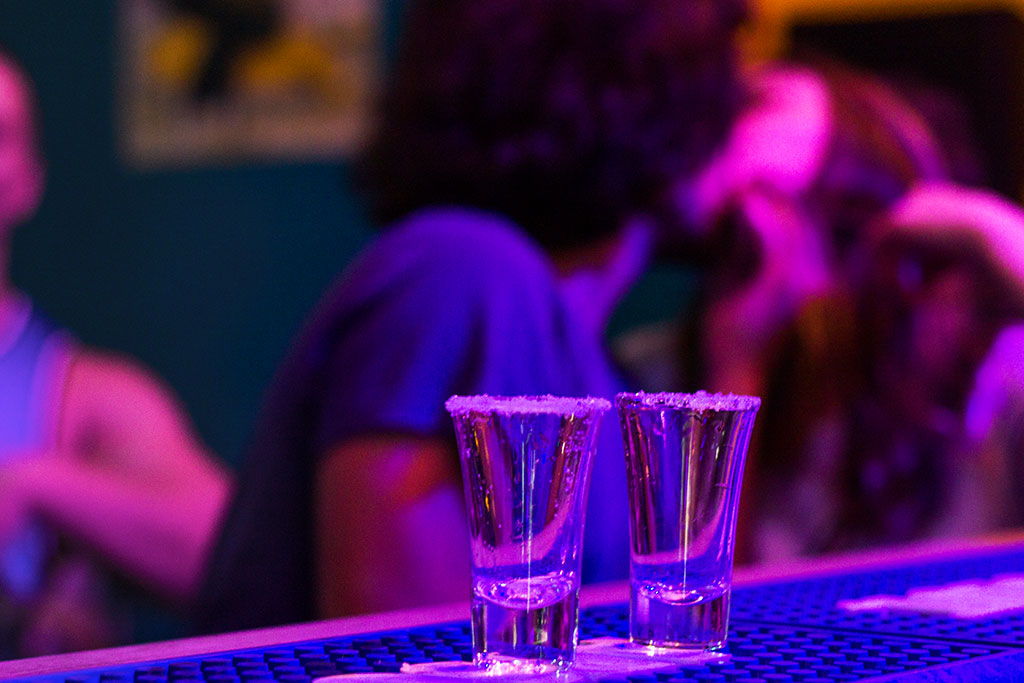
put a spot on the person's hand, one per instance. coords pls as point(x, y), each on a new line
point(963, 222)
point(792, 268)
point(780, 141)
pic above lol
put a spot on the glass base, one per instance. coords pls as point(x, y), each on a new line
point(697, 625)
point(498, 665)
point(515, 640)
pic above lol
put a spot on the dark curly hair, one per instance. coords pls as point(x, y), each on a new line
point(566, 116)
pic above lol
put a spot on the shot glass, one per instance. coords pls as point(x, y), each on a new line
point(526, 464)
point(684, 467)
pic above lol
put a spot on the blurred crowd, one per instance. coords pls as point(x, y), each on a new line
point(531, 160)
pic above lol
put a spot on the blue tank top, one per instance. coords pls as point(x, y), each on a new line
point(34, 356)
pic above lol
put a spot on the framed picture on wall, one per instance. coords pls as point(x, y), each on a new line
point(229, 81)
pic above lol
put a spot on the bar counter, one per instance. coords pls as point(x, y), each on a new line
point(785, 626)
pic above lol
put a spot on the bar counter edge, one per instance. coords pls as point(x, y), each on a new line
point(598, 594)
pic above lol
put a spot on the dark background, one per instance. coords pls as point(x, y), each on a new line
point(975, 56)
point(204, 273)
point(201, 273)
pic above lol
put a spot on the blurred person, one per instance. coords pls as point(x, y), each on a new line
point(885, 398)
point(524, 150)
point(819, 152)
point(994, 426)
point(100, 472)
point(776, 225)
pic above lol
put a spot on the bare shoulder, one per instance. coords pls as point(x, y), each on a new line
point(112, 402)
point(99, 380)
point(96, 366)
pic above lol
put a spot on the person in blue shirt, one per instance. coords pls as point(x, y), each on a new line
point(522, 155)
point(101, 474)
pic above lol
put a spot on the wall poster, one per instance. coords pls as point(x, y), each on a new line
point(226, 81)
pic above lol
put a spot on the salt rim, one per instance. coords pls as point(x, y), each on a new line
point(698, 401)
point(510, 405)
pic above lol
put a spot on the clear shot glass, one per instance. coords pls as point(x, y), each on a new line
point(684, 466)
point(526, 464)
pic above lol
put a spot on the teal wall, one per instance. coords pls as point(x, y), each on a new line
point(204, 273)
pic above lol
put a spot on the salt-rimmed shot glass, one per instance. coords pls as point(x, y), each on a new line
point(526, 464)
point(684, 467)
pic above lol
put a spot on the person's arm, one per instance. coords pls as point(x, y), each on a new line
point(390, 526)
point(965, 221)
point(741, 325)
point(129, 481)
